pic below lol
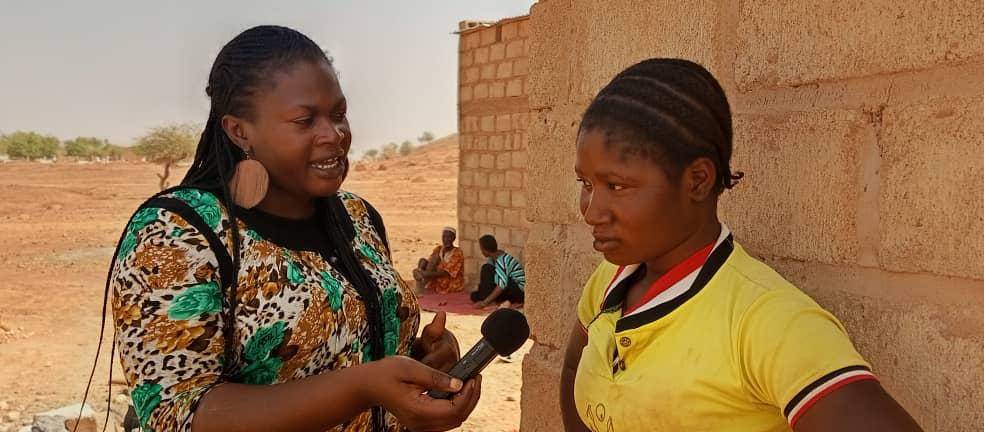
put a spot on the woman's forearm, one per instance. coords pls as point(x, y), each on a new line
point(315, 403)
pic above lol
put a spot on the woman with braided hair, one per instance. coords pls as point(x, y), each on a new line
point(258, 295)
point(679, 329)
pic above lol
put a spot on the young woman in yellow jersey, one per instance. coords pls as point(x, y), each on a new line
point(680, 329)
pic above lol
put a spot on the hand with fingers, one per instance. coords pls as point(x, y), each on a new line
point(399, 384)
point(437, 347)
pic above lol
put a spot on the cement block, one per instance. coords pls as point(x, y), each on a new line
point(550, 166)
point(481, 56)
point(643, 30)
point(520, 66)
point(487, 72)
point(497, 52)
point(515, 87)
point(470, 41)
point(501, 234)
point(485, 197)
point(510, 31)
point(465, 94)
point(932, 214)
point(481, 91)
point(490, 35)
point(524, 28)
point(518, 236)
point(502, 198)
point(565, 260)
point(470, 231)
point(514, 179)
point(540, 407)
point(466, 178)
point(518, 199)
point(471, 75)
point(497, 90)
point(481, 215)
point(469, 124)
point(497, 142)
point(497, 179)
point(488, 123)
point(502, 161)
point(482, 143)
point(481, 179)
point(487, 161)
point(553, 37)
point(519, 159)
point(465, 213)
point(495, 216)
point(469, 196)
point(470, 160)
point(513, 218)
point(466, 58)
point(515, 49)
point(786, 43)
point(802, 184)
point(502, 123)
point(504, 70)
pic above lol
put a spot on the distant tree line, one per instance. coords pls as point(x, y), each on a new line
point(391, 150)
point(34, 146)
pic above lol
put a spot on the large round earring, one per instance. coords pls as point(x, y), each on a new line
point(249, 182)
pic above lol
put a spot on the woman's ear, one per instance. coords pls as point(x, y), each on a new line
point(235, 129)
point(700, 178)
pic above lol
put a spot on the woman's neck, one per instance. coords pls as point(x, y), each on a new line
point(279, 202)
point(703, 236)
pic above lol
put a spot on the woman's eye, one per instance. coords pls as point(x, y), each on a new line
point(584, 184)
point(304, 121)
point(615, 187)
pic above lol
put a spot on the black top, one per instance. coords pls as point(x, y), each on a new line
point(308, 234)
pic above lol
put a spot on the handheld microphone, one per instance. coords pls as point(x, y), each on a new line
point(503, 332)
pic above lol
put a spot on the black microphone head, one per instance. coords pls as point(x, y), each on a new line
point(506, 330)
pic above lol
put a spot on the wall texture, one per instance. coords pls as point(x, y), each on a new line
point(494, 116)
point(859, 126)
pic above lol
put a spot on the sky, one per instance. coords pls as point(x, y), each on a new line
point(114, 69)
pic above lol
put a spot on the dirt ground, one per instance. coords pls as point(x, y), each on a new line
point(59, 224)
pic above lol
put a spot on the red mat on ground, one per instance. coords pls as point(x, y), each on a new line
point(456, 303)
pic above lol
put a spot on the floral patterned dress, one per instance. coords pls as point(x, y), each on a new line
point(297, 315)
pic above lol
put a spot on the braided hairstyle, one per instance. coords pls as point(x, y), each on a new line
point(245, 66)
point(670, 111)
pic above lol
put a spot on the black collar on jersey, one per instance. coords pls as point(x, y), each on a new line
point(616, 297)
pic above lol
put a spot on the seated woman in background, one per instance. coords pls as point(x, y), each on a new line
point(680, 329)
point(258, 296)
point(502, 280)
point(442, 272)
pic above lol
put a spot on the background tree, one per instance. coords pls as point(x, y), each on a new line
point(370, 154)
point(168, 145)
point(425, 137)
point(87, 147)
point(31, 145)
point(406, 148)
point(390, 150)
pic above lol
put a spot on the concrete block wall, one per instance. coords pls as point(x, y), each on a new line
point(861, 134)
point(494, 117)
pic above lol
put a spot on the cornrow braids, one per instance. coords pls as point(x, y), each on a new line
point(243, 66)
point(671, 111)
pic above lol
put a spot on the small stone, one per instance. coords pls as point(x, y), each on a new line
point(510, 399)
point(12, 416)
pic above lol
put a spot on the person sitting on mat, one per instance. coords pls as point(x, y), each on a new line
point(502, 278)
point(442, 271)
